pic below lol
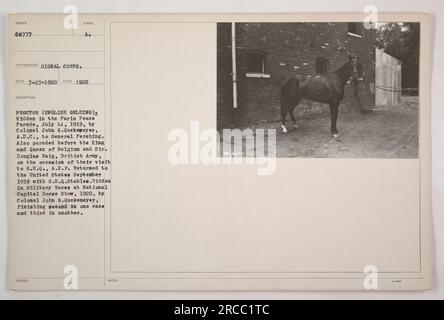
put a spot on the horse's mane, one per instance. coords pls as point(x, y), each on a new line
point(342, 73)
point(341, 68)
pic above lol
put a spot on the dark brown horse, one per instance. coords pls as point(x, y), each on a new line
point(325, 88)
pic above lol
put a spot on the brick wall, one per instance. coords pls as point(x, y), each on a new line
point(224, 76)
point(291, 49)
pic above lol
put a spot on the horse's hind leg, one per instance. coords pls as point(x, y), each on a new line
point(295, 125)
point(284, 111)
point(334, 106)
point(291, 112)
point(289, 100)
point(283, 126)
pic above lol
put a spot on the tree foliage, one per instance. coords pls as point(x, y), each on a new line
point(401, 40)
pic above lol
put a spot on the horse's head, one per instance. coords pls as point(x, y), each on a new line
point(358, 73)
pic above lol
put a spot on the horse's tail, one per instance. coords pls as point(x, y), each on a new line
point(289, 89)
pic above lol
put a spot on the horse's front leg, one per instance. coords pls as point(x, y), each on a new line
point(334, 106)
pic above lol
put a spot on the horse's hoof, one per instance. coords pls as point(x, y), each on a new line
point(335, 135)
point(284, 129)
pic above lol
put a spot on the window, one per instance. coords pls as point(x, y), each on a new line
point(354, 29)
point(321, 65)
point(257, 64)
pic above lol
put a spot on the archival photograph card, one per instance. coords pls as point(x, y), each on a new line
point(219, 152)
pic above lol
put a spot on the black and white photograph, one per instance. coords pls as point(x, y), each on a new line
point(329, 89)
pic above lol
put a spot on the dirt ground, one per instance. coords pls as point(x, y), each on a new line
point(384, 133)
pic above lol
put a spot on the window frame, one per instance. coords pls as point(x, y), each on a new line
point(324, 60)
point(358, 33)
point(255, 74)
